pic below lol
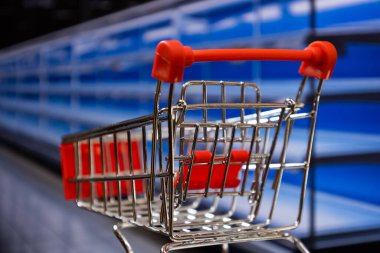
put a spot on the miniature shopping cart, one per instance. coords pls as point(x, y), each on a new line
point(205, 168)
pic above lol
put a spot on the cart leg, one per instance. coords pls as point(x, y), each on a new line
point(185, 245)
point(117, 231)
point(225, 248)
point(297, 242)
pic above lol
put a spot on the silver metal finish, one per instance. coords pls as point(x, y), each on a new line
point(142, 171)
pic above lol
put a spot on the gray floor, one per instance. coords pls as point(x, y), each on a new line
point(35, 218)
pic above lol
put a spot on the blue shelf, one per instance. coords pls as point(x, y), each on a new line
point(330, 14)
point(81, 79)
point(58, 56)
point(88, 68)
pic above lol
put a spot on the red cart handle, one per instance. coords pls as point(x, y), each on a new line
point(318, 59)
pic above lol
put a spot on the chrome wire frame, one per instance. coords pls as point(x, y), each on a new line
point(167, 141)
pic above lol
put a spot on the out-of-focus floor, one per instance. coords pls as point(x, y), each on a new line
point(36, 218)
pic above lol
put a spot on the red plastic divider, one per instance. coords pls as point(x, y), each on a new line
point(201, 170)
point(68, 169)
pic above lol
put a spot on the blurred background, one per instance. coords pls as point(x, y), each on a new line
point(94, 72)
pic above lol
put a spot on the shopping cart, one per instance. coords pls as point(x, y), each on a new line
point(197, 168)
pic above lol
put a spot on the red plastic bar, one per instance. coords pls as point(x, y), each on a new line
point(171, 58)
point(201, 169)
point(68, 169)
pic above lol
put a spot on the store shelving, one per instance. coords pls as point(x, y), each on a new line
point(99, 73)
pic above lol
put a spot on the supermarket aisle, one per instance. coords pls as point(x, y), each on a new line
point(35, 218)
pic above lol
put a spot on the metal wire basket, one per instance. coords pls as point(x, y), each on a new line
point(183, 170)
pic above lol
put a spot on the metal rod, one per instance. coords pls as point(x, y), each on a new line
point(77, 169)
point(204, 88)
point(171, 159)
point(191, 162)
point(154, 137)
point(91, 170)
point(133, 187)
point(300, 89)
point(248, 161)
point(258, 194)
point(278, 177)
point(103, 173)
point(309, 148)
point(116, 164)
point(228, 162)
point(212, 161)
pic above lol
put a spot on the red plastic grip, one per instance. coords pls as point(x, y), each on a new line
point(171, 58)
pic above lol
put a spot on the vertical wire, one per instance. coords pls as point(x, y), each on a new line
point(204, 94)
point(181, 166)
point(248, 162)
point(278, 177)
point(309, 152)
point(300, 89)
point(242, 112)
point(154, 138)
point(116, 164)
point(228, 161)
point(163, 214)
point(171, 159)
point(103, 172)
point(77, 170)
point(223, 100)
point(259, 193)
point(133, 187)
point(212, 160)
point(191, 161)
point(91, 168)
point(147, 188)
